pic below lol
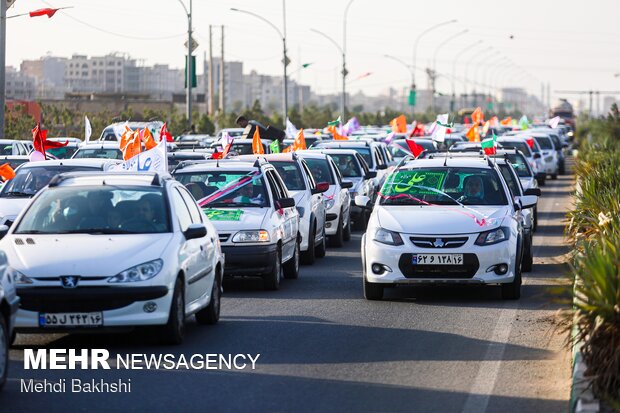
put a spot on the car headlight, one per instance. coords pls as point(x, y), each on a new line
point(329, 204)
point(388, 237)
point(493, 236)
point(251, 236)
point(19, 278)
point(141, 272)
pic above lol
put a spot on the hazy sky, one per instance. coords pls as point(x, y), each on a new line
point(571, 44)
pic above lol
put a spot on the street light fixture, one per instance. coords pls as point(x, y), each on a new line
point(456, 58)
point(410, 68)
point(434, 71)
point(417, 41)
point(189, 70)
point(344, 53)
point(285, 60)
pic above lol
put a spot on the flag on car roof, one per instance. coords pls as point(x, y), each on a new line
point(154, 160)
point(147, 138)
point(291, 130)
point(335, 122)
point(489, 145)
point(130, 143)
point(554, 122)
point(274, 147)
point(523, 123)
point(257, 143)
point(88, 130)
point(473, 134)
point(40, 142)
point(506, 121)
point(299, 144)
point(441, 126)
point(399, 124)
point(485, 128)
point(530, 142)
point(351, 126)
point(415, 149)
point(164, 135)
point(6, 172)
point(337, 137)
point(477, 116)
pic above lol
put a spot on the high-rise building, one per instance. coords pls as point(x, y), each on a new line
point(49, 75)
point(233, 83)
point(18, 85)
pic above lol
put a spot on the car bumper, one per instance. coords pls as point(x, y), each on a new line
point(255, 260)
point(120, 306)
point(332, 218)
point(399, 270)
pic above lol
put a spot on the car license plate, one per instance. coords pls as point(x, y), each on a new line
point(437, 259)
point(71, 319)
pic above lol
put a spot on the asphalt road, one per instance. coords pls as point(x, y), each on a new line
point(324, 348)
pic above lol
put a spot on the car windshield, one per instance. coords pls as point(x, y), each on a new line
point(101, 153)
point(365, 152)
point(242, 149)
point(521, 146)
point(347, 165)
point(65, 152)
point(320, 170)
point(97, 210)
point(544, 143)
point(30, 180)
point(291, 175)
point(443, 186)
point(226, 188)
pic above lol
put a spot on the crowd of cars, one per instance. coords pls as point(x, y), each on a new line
point(86, 247)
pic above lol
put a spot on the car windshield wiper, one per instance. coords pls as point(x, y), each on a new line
point(231, 204)
point(32, 231)
point(97, 231)
point(17, 194)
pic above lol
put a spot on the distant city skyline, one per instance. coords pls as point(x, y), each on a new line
point(571, 47)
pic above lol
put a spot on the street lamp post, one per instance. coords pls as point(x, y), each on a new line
point(343, 109)
point(189, 67)
point(344, 70)
point(2, 62)
point(410, 68)
point(285, 60)
point(475, 77)
point(415, 47)
point(434, 71)
point(456, 58)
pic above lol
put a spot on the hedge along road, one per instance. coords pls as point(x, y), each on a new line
point(324, 348)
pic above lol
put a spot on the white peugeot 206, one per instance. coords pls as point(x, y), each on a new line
point(97, 250)
point(444, 221)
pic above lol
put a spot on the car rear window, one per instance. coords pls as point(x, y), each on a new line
point(347, 165)
point(291, 175)
point(320, 170)
point(99, 153)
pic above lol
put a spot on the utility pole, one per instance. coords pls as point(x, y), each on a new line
point(285, 62)
point(190, 68)
point(210, 82)
point(222, 78)
point(2, 62)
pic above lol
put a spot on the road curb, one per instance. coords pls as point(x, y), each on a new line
point(582, 399)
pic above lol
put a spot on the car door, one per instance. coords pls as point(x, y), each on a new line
point(344, 196)
point(190, 253)
point(318, 204)
point(282, 219)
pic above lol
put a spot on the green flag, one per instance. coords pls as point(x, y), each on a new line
point(274, 147)
point(335, 122)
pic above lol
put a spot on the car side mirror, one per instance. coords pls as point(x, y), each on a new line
point(320, 188)
point(382, 166)
point(346, 184)
point(533, 191)
point(362, 201)
point(195, 231)
point(4, 229)
point(285, 203)
point(370, 175)
point(516, 206)
point(537, 156)
point(528, 201)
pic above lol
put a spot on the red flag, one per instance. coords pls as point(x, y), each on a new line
point(43, 12)
point(6, 172)
point(530, 142)
point(40, 142)
point(415, 149)
point(164, 134)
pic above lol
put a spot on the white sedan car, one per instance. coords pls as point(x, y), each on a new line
point(444, 221)
point(114, 250)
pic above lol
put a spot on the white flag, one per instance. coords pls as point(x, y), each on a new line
point(88, 130)
point(554, 122)
point(119, 129)
point(291, 130)
point(153, 160)
point(439, 133)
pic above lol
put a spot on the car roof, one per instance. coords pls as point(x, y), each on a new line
point(219, 164)
point(344, 144)
point(330, 151)
point(8, 141)
point(312, 154)
point(94, 162)
point(460, 161)
point(153, 179)
point(272, 157)
point(101, 144)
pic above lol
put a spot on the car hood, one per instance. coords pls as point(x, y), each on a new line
point(81, 254)
point(11, 207)
point(250, 218)
point(442, 220)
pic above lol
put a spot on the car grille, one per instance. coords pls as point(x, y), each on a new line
point(467, 270)
point(224, 237)
point(434, 242)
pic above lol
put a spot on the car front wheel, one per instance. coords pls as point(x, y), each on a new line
point(174, 330)
point(211, 313)
point(337, 240)
point(512, 290)
point(291, 267)
point(4, 351)
point(372, 291)
point(272, 281)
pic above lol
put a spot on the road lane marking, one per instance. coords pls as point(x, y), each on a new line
point(482, 389)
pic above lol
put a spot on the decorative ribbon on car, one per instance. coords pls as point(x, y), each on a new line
point(234, 185)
